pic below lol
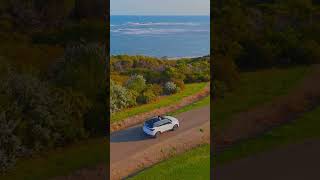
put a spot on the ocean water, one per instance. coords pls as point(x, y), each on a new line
point(159, 36)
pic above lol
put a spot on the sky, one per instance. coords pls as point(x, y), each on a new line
point(160, 7)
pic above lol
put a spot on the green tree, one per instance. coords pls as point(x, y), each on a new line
point(136, 83)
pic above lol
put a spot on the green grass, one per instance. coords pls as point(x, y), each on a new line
point(193, 165)
point(189, 90)
point(61, 161)
point(203, 102)
point(305, 127)
point(255, 88)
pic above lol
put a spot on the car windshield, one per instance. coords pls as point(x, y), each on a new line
point(150, 123)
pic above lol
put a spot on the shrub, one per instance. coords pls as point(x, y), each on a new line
point(156, 89)
point(173, 73)
point(121, 79)
point(120, 97)
point(83, 70)
point(147, 96)
point(34, 116)
point(150, 93)
point(136, 83)
point(179, 83)
point(171, 88)
point(10, 144)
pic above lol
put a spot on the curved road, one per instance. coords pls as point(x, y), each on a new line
point(128, 143)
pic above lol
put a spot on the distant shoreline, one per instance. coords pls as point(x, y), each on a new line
point(165, 57)
point(182, 57)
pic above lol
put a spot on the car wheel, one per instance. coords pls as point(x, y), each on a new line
point(175, 127)
point(157, 134)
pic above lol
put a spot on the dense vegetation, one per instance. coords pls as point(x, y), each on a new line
point(175, 99)
point(137, 80)
point(53, 88)
point(256, 34)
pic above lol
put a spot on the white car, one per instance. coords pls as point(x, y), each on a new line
point(157, 125)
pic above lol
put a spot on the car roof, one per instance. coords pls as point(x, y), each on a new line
point(169, 117)
point(158, 118)
point(153, 119)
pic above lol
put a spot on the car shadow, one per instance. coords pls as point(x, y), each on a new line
point(130, 134)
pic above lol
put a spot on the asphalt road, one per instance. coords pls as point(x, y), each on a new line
point(127, 143)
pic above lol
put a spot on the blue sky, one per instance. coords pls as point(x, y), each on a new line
point(160, 7)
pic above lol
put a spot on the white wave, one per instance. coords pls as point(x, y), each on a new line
point(153, 31)
point(162, 24)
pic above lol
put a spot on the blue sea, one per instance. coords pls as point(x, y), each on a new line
point(159, 36)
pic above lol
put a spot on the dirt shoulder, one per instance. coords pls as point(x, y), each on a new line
point(137, 119)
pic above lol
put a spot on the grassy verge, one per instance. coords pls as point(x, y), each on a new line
point(194, 164)
point(189, 90)
point(305, 127)
point(255, 88)
point(203, 102)
point(61, 161)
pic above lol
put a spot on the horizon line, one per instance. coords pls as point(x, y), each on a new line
point(120, 14)
point(159, 14)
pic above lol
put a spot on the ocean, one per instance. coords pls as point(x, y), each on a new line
point(160, 36)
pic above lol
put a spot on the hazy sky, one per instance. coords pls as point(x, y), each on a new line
point(160, 7)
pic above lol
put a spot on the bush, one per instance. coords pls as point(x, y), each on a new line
point(121, 79)
point(150, 94)
point(34, 116)
point(10, 144)
point(83, 70)
point(120, 97)
point(173, 73)
point(136, 83)
point(146, 97)
point(179, 83)
point(171, 88)
point(156, 89)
